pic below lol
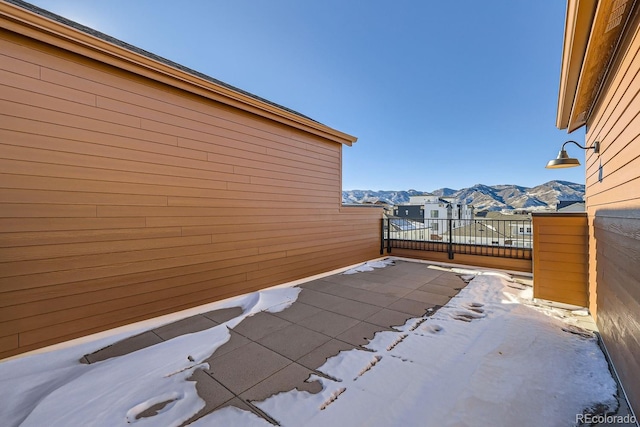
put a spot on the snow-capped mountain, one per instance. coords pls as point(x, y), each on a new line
point(483, 197)
point(369, 196)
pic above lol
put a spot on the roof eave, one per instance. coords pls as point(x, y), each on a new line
point(585, 68)
point(578, 23)
point(35, 26)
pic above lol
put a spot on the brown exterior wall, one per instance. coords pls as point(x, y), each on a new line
point(560, 258)
point(486, 261)
point(613, 205)
point(124, 198)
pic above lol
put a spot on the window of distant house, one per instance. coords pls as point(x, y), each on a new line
point(434, 214)
point(406, 212)
point(434, 226)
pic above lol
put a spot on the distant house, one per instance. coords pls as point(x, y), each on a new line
point(134, 187)
point(411, 229)
point(478, 233)
point(414, 212)
point(509, 233)
point(434, 208)
point(571, 206)
point(518, 229)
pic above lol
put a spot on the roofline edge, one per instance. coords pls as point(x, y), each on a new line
point(578, 23)
point(30, 24)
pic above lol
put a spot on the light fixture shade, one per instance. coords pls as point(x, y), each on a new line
point(562, 161)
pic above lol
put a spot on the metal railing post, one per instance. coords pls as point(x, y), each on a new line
point(381, 236)
point(450, 238)
point(388, 235)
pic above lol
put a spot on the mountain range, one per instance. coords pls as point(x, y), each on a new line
point(482, 197)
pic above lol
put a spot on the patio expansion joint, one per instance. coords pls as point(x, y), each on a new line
point(261, 413)
point(235, 395)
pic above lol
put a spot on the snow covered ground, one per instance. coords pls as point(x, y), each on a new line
point(489, 357)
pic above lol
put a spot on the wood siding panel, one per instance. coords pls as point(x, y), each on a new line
point(122, 198)
point(613, 206)
point(177, 196)
point(560, 260)
point(19, 67)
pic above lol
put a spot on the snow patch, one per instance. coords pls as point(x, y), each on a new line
point(55, 389)
point(370, 266)
point(513, 362)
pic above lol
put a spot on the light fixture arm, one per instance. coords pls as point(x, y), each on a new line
point(564, 161)
point(595, 146)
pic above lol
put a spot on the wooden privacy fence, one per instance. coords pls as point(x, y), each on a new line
point(560, 258)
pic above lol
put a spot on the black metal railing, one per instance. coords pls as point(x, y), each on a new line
point(487, 237)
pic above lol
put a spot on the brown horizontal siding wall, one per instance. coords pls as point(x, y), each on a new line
point(122, 199)
point(613, 205)
point(560, 258)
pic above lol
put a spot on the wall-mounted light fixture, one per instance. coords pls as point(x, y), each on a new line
point(564, 161)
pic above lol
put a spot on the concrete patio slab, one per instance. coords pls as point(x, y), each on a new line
point(294, 341)
point(319, 284)
point(135, 343)
point(356, 309)
point(428, 297)
point(318, 299)
point(298, 312)
point(223, 315)
point(344, 279)
point(392, 290)
point(328, 323)
point(246, 366)
point(184, 326)
point(450, 280)
point(360, 334)
point(293, 376)
point(375, 277)
point(211, 391)
point(389, 318)
point(363, 284)
point(317, 357)
point(372, 298)
point(409, 281)
point(235, 341)
point(438, 289)
point(415, 308)
point(260, 325)
point(393, 270)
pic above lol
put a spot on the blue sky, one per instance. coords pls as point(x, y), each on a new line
point(439, 94)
